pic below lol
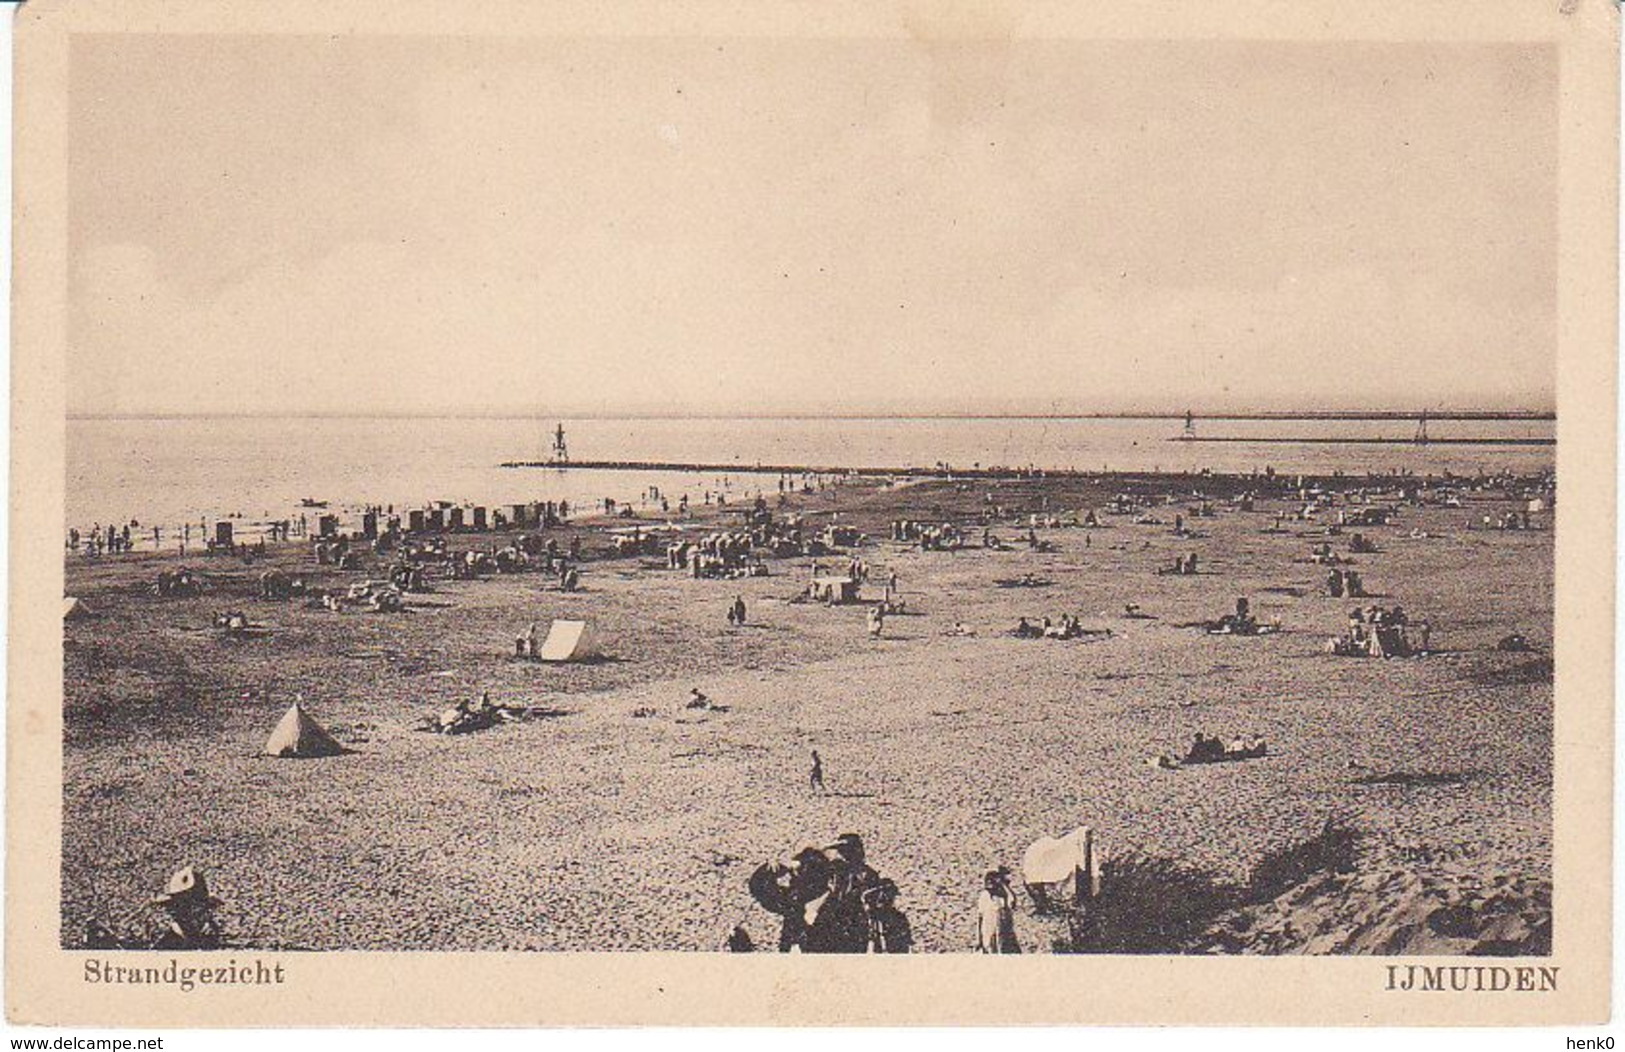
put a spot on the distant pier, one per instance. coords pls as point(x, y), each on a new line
point(956, 471)
point(1352, 441)
point(771, 469)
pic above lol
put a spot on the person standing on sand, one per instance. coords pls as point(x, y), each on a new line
point(815, 781)
point(889, 930)
point(996, 914)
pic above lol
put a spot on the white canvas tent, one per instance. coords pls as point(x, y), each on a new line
point(297, 735)
point(74, 609)
point(569, 641)
point(1052, 861)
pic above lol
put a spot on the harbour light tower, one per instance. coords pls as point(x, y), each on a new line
point(560, 451)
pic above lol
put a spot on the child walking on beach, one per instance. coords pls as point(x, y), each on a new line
point(816, 780)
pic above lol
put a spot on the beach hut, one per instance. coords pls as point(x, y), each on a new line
point(479, 518)
point(454, 518)
point(369, 524)
point(517, 515)
point(835, 590)
point(414, 521)
point(839, 536)
point(569, 641)
point(297, 735)
point(436, 520)
point(222, 534)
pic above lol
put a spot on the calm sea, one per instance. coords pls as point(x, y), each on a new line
point(169, 471)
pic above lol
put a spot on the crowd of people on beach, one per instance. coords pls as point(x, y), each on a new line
point(1383, 632)
point(1067, 626)
point(110, 540)
point(828, 899)
point(120, 539)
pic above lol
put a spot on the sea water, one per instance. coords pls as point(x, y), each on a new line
point(165, 472)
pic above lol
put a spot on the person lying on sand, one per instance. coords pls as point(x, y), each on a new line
point(1205, 749)
point(1027, 630)
point(468, 716)
point(1240, 623)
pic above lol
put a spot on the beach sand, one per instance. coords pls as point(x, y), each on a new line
point(590, 828)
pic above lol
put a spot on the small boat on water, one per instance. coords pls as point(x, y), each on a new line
point(312, 502)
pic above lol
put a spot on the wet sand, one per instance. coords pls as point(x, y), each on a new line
point(591, 828)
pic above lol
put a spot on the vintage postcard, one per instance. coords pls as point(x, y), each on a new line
point(691, 512)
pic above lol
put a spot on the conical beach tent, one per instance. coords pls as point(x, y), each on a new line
point(298, 735)
point(569, 641)
point(74, 609)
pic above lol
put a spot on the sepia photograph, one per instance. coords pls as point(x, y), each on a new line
point(910, 483)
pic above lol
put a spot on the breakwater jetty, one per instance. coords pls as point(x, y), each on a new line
point(778, 469)
point(1374, 441)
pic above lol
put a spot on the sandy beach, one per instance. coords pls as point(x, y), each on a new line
point(587, 827)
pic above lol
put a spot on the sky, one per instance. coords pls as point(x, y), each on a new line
point(717, 225)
